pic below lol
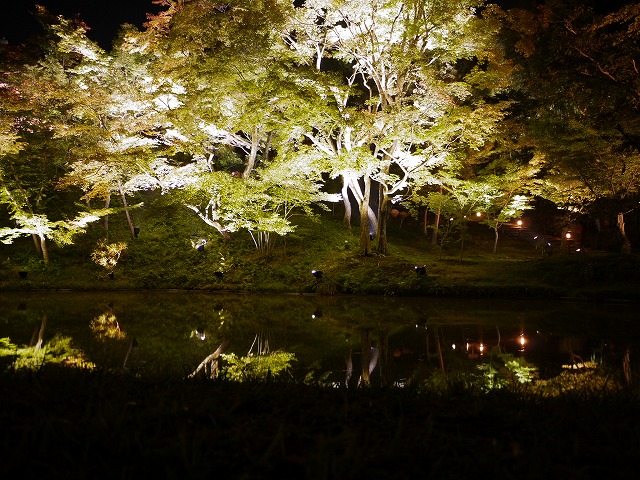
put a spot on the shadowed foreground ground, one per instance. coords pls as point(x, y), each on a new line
point(78, 424)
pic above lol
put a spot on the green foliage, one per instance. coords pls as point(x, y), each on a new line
point(107, 254)
point(61, 231)
point(255, 367)
point(58, 350)
point(581, 83)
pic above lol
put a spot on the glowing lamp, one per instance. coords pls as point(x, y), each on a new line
point(568, 235)
point(478, 214)
point(519, 222)
point(481, 348)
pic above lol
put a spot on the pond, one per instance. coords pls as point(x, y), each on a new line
point(333, 340)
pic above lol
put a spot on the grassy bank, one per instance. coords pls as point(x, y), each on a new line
point(163, 257)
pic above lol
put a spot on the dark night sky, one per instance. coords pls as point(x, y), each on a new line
point(104, 17)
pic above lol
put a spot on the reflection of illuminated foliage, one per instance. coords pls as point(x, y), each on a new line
point(316, 376)
point(506, 370)
point(580, 365)
point(500, 371)
point(491, 378)
point(585, 382)
point(106, 326)
point(523, 372)
point(255, 367)
point(58, 351)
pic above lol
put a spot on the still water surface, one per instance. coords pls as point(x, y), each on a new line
point(335, 340)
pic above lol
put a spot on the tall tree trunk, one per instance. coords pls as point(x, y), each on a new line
point(267, 147)
point(365, 234)
point(107, 202)
point(36, 242)
point(45, 251)
point(425, 222)
point(495, 243)
point(436, 225)
point(126, 210)
point(346, 202)
point(626, 245)
point(383, 207)
point(43, 327)
point(35, 237)
point(253, 154)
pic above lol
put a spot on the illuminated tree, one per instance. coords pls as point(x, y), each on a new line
point(31, 159)
point(110, 120)
point(230, 62)
point(509, 177)
point(414, 77)
point(233, 70)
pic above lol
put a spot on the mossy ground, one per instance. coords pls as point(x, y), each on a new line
point(163, 257)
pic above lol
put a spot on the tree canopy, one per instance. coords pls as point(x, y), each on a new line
point(245, 112)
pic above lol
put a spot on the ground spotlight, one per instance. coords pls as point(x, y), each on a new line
point(317, 273)
point(420, 270)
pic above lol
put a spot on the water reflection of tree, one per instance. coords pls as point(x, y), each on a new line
point(260, 362)
point(59, 350)
point(374, 352)
point(106, 326)
point(158, 322)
